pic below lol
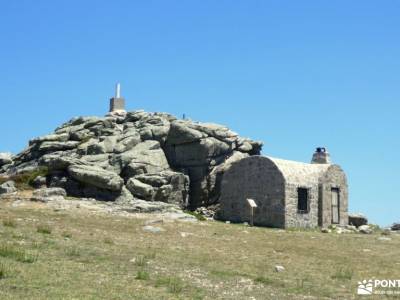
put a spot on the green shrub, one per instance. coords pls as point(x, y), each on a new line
point(375, 227)
point(264, 280)
point(45, 229)
point(3, 271)
point(19, 255)
point(343, 274)
point(142, 275)
point(108, 241)
point(9, 223)
point(174, 284)
point(196, 215)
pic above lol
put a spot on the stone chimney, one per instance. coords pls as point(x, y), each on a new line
point(117, 103)
point(321, 156)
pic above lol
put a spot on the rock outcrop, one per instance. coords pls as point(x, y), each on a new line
point(395, 227)
point(357, 220)
point(138, 155)
point(6, 160)
point(7, 187)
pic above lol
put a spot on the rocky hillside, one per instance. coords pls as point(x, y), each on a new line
point(137, 155)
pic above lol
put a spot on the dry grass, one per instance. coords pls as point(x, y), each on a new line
point(213, 261)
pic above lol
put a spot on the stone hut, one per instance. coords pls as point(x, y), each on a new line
point(287, 193)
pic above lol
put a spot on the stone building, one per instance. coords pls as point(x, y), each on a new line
point(287, 193)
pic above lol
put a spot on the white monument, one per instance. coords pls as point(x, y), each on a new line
point(117, 103)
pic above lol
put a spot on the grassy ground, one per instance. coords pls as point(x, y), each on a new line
point(45, 254)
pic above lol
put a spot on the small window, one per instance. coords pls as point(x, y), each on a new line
point(302, 203)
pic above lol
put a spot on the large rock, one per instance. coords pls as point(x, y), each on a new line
point(106, 145)
point(140, 189)
point(96, 176)
point(167, 186)
point(57, 146)
point(146, 157)
point(154, 127)
point(124, 197)
point(58, 161)
point(199, 149)
point(395, 227)
point(357, 220)
point(81, 135)
point(48, 194)
point(127, 141)
point(366, 229)
point(197, 153)
point(63, 137)
point(8, 187)
point(25, 167)
point(151, 207)
point(216, 174)
point(180, 133)
point(39, 182)
point(5, 159)
point(151, 156)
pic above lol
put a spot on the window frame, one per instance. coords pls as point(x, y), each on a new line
point(307, 191)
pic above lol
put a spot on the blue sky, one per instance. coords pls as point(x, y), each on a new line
point(294, 74)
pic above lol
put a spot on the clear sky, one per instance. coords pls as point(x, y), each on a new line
point(294, 74)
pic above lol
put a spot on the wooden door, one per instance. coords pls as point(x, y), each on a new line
point(335, 205)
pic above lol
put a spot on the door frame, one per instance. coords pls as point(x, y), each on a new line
point(335, 190)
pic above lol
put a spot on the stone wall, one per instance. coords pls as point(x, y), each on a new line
point(334, 177)
point(255, 177)
point(300, 175)
point(273, 184)
point(294, 218)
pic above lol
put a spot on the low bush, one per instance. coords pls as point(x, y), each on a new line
point(108, 241)
point(198, 216)
point(44, 229)
point(3, 271)
point(343, 274)
point(174, 284)
point(264, 280)
point(9, 223)
point(16, 254)
point(142, 275)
